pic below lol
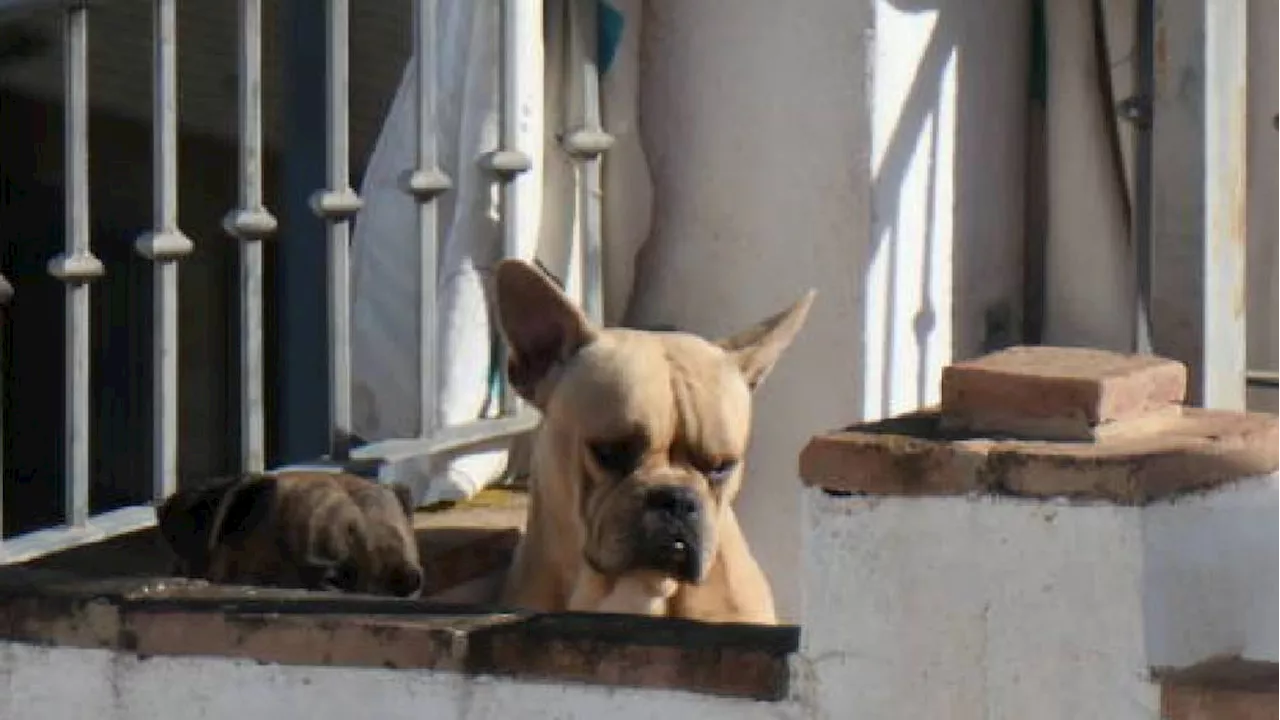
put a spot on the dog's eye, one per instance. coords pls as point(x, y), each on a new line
point(717, 471)
point(342, 576)
point(618, 457)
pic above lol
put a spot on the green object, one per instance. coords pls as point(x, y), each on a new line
point(609, 23)
point(494, 401)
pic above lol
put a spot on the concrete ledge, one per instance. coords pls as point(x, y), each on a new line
point(1218, 689)
point(747, 661)
point(1226, 673)
point(191, 618)
point(463, 543)
point(913, 455)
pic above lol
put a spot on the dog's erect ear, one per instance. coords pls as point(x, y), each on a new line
point(404, 496)
point(758, 348)
point(323, 573)
point(247, 506)
point(192, 521)
point(185, 521)
point(542, 326)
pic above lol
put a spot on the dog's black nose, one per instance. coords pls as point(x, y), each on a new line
point(673, 500)
point(405, 581)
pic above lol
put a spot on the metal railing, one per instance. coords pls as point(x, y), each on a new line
point(251, 223)
point(584, 139)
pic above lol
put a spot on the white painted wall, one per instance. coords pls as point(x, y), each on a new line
point(999, 608)
point(1210, 576)
point(958, 608)
point(1089, 271)
point(1262, 189)
point(981, 608)
point(773, 175)
point(38, 683)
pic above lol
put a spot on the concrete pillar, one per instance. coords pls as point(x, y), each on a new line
point(956, 572)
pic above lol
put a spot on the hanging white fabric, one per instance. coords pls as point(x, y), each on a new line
point(384, 247)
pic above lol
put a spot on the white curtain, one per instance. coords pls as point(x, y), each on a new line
point(384, 247)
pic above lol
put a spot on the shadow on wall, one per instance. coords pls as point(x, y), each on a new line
point(760, 142)
point(1262, 228)
point(964, 110)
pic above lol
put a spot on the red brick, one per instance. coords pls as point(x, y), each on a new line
point(1220, 689)
point(1209, 704)
point(1057, 393)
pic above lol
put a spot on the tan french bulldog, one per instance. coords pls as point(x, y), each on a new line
point(309, 530)
point(637, 461)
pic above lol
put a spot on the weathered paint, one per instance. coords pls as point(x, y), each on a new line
point(1209, 574)
point(975, 608)
point(251, 223)
point(56, 682)
point(424, 184)
point(77, 266)
point(1198, 194)
point(164, 245)
point(337, 205)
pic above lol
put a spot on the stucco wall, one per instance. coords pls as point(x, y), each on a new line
point(771, 177)
point(946, 607)
point(958, 607)
point(1209, 576)
point(38, 682)
point(1262, 188)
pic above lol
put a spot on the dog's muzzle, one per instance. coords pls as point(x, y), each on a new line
point(404, 581)
point(672, 542)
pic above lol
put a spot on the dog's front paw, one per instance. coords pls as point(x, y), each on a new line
point(639, 593)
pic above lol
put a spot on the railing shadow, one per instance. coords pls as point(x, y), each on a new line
point(959, 224)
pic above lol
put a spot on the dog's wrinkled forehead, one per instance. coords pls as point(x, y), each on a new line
point(673, 387)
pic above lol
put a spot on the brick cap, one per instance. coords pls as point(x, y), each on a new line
point(173, 617)
point(913, 455)
point(1058, 393)
point(1224, 673)
point(1181, 702)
